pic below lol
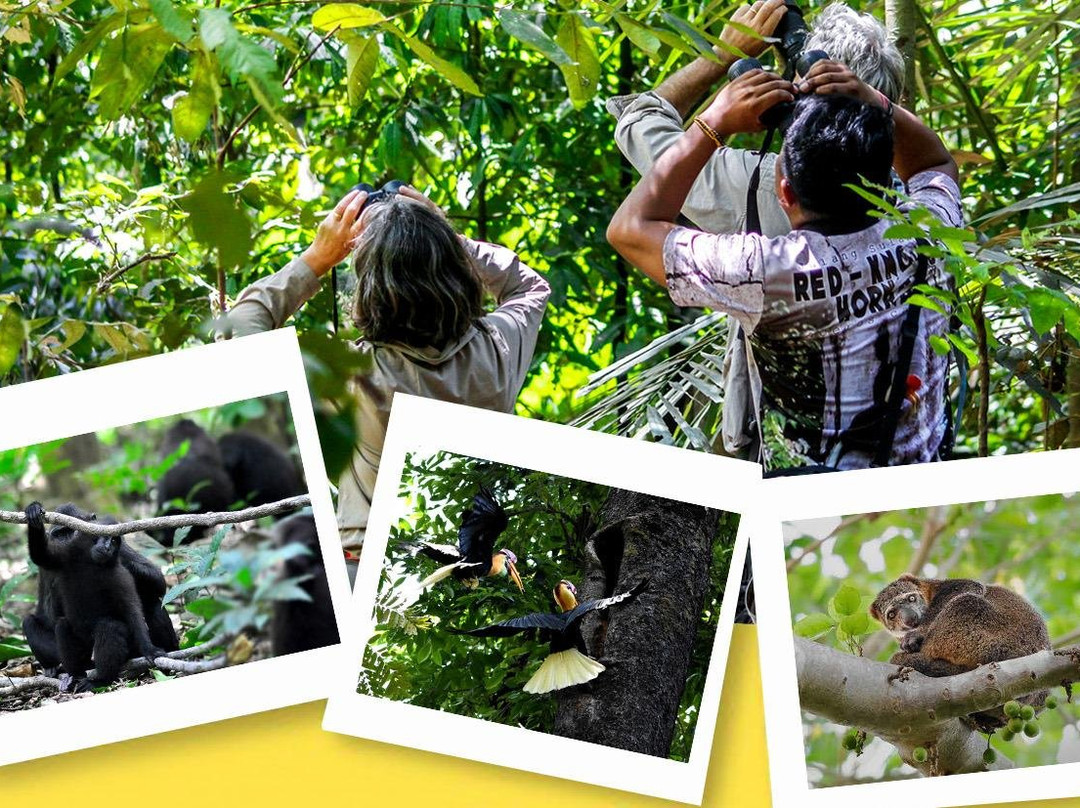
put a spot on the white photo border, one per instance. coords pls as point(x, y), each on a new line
point(154, 387)
point(650, 468)
point(864, 491)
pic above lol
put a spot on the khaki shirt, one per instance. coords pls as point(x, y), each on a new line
point(648, 125)
point(485, 368)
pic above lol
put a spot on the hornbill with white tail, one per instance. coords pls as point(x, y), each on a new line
point(568, 662)
point(473, 558)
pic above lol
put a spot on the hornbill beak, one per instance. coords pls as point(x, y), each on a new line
point(512, 569)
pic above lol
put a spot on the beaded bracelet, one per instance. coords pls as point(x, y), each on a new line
point(711, 133)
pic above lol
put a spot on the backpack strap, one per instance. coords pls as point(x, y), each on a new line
point(909, 332)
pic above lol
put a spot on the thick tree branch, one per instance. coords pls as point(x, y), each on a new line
point(160, 522)
point(916, 710)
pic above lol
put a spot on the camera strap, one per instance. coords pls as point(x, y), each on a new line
point(753, 217)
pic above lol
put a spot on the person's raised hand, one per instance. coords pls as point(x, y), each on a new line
point(336, 234)
point(827, 77)
point(762, 17)
point(416, 196)
point(738, 107)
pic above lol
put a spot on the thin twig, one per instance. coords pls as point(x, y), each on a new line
point(106, 282)
point(162, 522)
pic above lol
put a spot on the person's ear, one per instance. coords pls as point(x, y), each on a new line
point(786, 194)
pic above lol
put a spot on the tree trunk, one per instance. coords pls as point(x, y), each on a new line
point(645, 644)
point(1072, 392)
point(900, 17)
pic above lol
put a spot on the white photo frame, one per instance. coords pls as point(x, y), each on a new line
point(153, 387)
point(418, 424)
point(863, 491)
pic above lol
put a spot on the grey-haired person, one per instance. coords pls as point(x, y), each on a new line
point(650, 123)
point(419, 308)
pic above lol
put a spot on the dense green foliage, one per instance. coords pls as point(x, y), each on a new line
point(1025, 544)
point(160, 155)
point(414, 658)
point(216, 588)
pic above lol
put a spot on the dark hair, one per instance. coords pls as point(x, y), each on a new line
point(416, 285)
point(834, 140)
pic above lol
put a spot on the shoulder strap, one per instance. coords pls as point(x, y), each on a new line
point(753, 218)
point(909, 331)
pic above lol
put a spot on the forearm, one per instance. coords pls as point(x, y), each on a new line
point(917, 148)
point(268, 303)
point(687, 87)
point(640, 225)
point(504, 275)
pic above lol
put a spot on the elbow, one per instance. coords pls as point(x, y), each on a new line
point(618, 233)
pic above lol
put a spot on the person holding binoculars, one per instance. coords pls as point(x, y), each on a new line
point(419, 308)
point(651, 122)
point(823, 308)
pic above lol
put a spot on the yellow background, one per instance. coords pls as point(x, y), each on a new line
point(284, 758)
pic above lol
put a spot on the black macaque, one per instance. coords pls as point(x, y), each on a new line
point(259, 470)
point(300, 625)
point(199, 478)
point(102, 598)
point(40, 627)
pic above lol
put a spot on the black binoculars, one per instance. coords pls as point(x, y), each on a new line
point(791, 31)
point(778, 115)
point(388, 190)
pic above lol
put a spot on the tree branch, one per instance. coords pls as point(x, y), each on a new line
point(107, 281)
point(160, 522)
point(916, 710)
point(178, 662)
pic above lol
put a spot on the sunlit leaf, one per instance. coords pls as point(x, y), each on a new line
point(583, 72)
point(519, 26)
point(345, 15)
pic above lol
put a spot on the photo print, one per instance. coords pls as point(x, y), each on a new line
point(145, 550)
point(933, 618)
point(546, 599)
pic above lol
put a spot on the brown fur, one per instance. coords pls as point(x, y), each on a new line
point(948, 626)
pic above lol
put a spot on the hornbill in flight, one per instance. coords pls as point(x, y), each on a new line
point(473, 558)
point(568, 663)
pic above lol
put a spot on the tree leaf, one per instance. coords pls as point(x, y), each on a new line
point(215, 27)
point(638, 33)
point(1045, 309)
point(127, 66)
point(519, 26)
point(345, 15)
point(175, 23)
point(583, 73)
point(362, 55)
point(11, 338)
point(448, 70)
point(856, 624)
point(846, 600)
point(217, 221)
point(814, 625)
point(105, 27)
point(191, 112)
